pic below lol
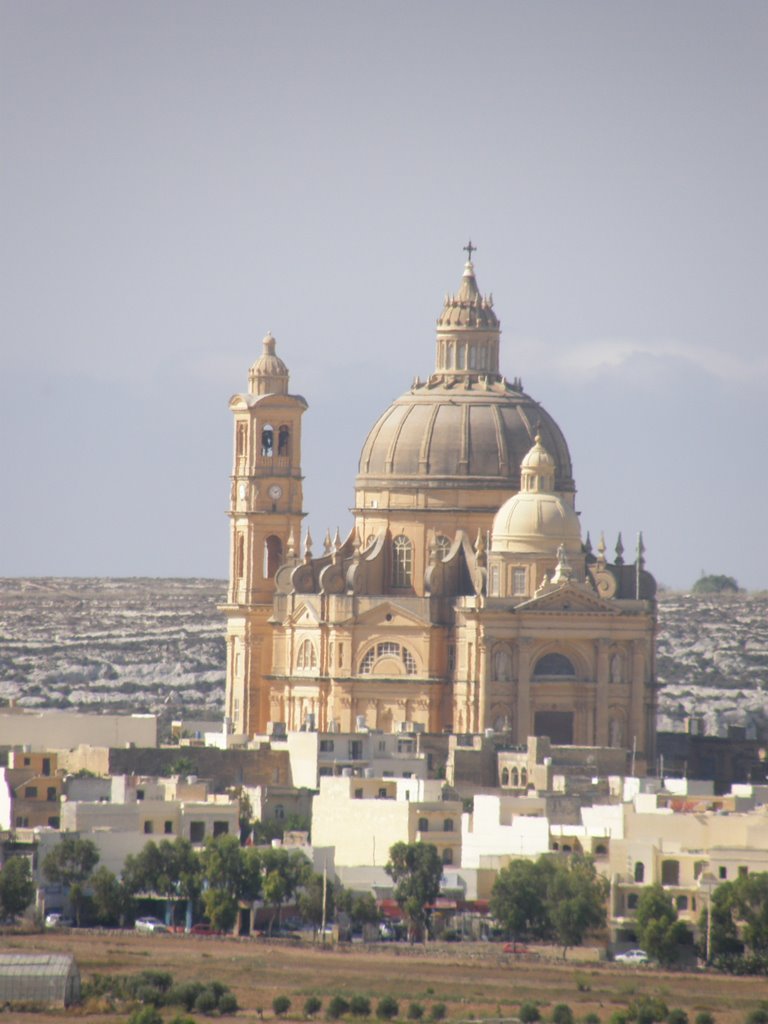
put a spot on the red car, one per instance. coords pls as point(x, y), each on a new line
point(204, 929)
point(518, 949)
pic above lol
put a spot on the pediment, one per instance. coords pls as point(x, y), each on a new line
point(303, 615)
point(568, 597)
point(389, 615)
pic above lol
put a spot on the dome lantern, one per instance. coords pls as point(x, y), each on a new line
point(269, 374)
point(468, 331)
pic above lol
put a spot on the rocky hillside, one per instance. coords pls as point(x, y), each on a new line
point(158, 645)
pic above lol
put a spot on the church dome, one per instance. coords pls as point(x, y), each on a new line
point(536, 521)
point(269, 374)
point(466, 427)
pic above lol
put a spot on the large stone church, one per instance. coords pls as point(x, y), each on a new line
point(465, 597)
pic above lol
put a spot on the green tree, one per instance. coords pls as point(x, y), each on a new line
point(112, 903)
point(576, 900)
point(17, 890)
point(724, 932)
point(281, 1005)
point(312, 1006)
point(658, 929)
point(70, 864)
point(311, 901)
point(750, 905)
point(416, 870)
point(713, 584)
point(171, 870)
point(285, 873)
point(519, 898)
point(388, 1007)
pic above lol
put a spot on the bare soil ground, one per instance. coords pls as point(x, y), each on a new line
point(474, 980)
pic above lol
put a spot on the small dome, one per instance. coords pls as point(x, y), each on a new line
point(269, 374)
point(536, 521)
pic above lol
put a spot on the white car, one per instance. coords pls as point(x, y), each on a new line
point(632, 956)
point(149, 925)
point(57, 920)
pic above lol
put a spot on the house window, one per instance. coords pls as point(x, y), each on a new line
point(632, 900)
point(524, 777)
point(383, 793)
point(168, 828)
point(30, 792)
point(402, 562)
point(220, 828)
point(27, 762)
point(681, 902)
point(448, 825)
point(423, 825)
point(326, 746)
point(722, 871)
point(139, 794)
point(358, 794)
point(46, 766)
point(639, 871)
point(22, 822)
point(518, 582)
point(515, 778)
point(447, 856)
point(148, 828)
point(743, 870)
point(505, 776)
point(52, 796)
point(54, 821)
point(670, 872)
point(196, 831)
point(279, 812)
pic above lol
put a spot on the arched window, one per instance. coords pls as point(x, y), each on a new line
point(242, 438)
point(423, 825)
point(505, 776)
point(240, 557)
point(601, 850)
point(448, 825)
point(639, 871)
point(402, 562)
point(267, 440)
point(388, 649)
point(524, 777)
point(447, 856)
point(515, 778)
point(283, 440)
point(442, 545)
point(273, 556)
point(307, 655)
point(494, 587)
point(554, 665)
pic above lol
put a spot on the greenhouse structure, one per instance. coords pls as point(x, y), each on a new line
point(50, 978)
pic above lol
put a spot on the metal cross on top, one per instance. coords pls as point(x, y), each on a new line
point(469, 248)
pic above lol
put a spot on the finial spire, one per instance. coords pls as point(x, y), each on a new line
point(469, 249)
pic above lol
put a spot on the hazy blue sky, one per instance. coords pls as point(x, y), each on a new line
point(179, 177)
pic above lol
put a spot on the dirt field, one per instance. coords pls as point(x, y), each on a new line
point(475, 980)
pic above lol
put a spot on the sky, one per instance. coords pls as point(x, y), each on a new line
point(178, 178)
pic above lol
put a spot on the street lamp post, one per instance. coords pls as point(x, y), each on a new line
point(708, 884)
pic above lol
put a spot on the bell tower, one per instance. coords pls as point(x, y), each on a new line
point(265, 513)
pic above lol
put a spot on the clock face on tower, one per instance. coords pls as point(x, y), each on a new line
point(275, 491)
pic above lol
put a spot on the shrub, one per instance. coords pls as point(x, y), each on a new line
point(205, 1002)
point(360, 1006)
point(618, 1017)
point(312, 1005)
point(582, 982)
point(337, 1007)
point(178, 1019)
point(415, 1011)
point(281, 1005)
point(757, 1016)
point(677, 1016)
point(437, 1011)
point(705, 1017)
point(184, 994)
point(648, 1010)
point(145, 1015)
point(388, 1008)
point(562, 1014)
point(529, 1012)
point(591, 1018)
point(228, 1003)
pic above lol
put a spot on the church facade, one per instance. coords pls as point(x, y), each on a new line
point(464, 598)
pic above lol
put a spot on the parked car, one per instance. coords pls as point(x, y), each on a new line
point(632, 956)
point(149, 925)
point(57, 920)
point(519, 950)
point(203, 928)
